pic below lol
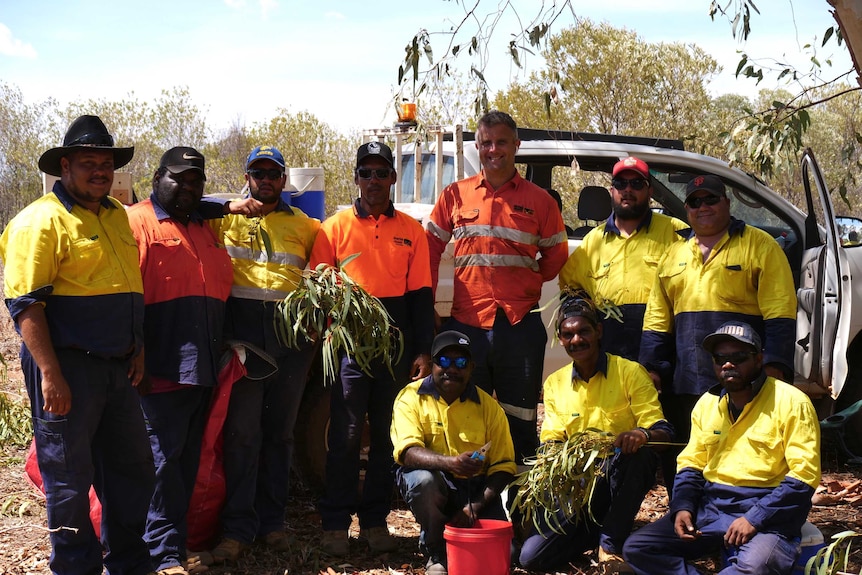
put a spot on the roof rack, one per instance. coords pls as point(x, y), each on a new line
point(562, 135)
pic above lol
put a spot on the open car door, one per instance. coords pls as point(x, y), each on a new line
point(823, 312)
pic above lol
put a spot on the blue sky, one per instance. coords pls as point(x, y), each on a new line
point(338, 59)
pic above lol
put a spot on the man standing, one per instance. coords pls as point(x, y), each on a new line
point(612, 394)
point(452, 443)
point(268, 255)
point(746, 476)
point(724, 271)
point(187, 278)
point(392, 265)
point(500, 223)
point(73, 288)
point(617, 261)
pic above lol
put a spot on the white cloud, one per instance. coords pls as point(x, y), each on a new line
point(237, 4)
point(333, 15)
point(10, 46)
point(267, 6)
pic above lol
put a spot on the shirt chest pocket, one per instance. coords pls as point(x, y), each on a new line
point(167, 254)
point(765, 443)
point(465, 217)
point(732, 283)
point(90, 260)
point(471, 439)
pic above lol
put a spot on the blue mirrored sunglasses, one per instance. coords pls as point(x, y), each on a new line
point(447, 362)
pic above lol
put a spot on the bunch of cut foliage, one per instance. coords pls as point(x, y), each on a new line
point(16, 427)
point(834, 559)
point(607, 308)
point(329, 306)
point(560, 482)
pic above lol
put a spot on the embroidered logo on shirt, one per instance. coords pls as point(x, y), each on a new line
point(402, 242)
point(524, 210)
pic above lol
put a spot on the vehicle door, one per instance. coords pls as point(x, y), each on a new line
point(823, 312)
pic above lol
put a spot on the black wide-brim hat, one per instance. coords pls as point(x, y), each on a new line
point(85, 132)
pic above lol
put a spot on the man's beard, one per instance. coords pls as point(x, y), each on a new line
point(632, 212)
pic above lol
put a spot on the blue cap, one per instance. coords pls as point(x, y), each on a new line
point(264, 153)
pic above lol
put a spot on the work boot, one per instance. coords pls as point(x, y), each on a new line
point(612, 564)
point(379, 539)
point(335, 543)
point(436, 564)
point(277, 541)
point(228, 550)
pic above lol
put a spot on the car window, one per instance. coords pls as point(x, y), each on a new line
point(429, 171)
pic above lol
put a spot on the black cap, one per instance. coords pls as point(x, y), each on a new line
point(450, 339)
point(378, 149)
point(181, 158)
point(711, 184)
point(733, 330)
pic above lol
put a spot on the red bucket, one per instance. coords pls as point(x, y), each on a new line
point(483, 548)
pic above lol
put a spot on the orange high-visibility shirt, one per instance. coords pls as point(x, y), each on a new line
point(499, 236)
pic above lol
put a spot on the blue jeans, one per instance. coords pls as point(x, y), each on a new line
point(102, 441)
point(508, 361)
point(258, 447)
point(615, 502)
point(354, 395)
point(175, 422)
point(655, 549)
point(434, 497)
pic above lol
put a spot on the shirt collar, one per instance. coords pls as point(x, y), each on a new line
point(601, 366)
point(360, 212)
point(69, 202)
point(162, 214)
point(515, 181)
point(427, 387)
point(737, 227)
point(611, 225)
point(756, 386)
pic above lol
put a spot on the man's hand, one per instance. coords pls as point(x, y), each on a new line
point(630, 441)
point(683, 525)
point(739, 533)
point(466, 516)
point(57, 395)
point(464, 465)
point(136, 369)
point(247, 207)
point(421, 367)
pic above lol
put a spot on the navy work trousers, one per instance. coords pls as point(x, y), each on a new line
point(102, 441)
point(258, 447)
point(175, 423)
point(656, 548)
point(353, 396)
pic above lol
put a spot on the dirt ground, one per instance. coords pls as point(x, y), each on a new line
point(24, 546)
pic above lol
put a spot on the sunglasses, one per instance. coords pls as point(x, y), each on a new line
point(736, 358)
point(270, 174)
point(366, 173)
point(447, 362)
point(695, 203)
point(637, 184)
point(106, 140)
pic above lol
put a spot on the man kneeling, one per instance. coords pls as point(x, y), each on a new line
point(453, 446)
point(746, 477)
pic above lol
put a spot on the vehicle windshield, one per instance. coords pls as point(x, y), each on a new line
point(429, 170)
